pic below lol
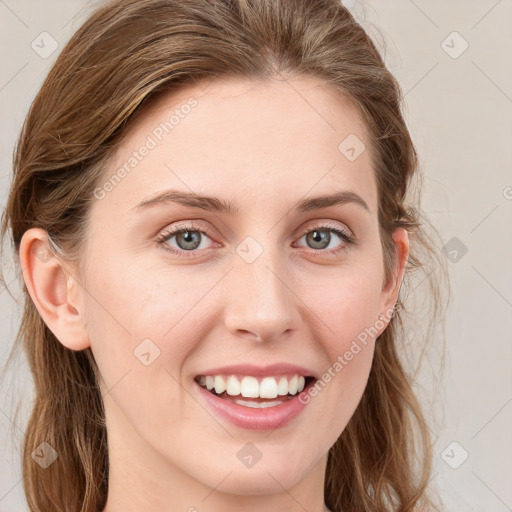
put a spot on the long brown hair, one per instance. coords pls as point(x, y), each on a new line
point(126, 53)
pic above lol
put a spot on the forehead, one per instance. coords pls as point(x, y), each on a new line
point(277, 140)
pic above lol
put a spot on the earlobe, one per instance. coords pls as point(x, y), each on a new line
point(50, 287)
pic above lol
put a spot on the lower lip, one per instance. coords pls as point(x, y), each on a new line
point(267, 418)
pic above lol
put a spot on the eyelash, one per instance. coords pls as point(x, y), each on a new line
point(166, 235)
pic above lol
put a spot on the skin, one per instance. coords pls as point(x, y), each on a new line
point(264, 147)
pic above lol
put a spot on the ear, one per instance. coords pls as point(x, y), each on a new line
point(52, 289)
point(391, 287)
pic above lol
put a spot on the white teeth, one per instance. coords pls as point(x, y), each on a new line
point(232, 386)
point(210, 382)
point(220, 384)
point(250, 387)
point(292, 385)
point(268, 388)
point(258, 405)
point(282, 387)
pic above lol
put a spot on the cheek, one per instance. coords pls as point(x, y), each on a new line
point(139, 361)
point(341, 385)
point(129, 303)
point(347, 307)
point(143, 325)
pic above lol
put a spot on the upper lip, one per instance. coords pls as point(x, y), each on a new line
point(260, 371)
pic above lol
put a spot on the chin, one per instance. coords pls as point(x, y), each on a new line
point(264, 481)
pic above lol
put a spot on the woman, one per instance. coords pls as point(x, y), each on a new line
point(209, 210)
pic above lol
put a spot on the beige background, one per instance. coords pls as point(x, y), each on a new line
point(459, 106)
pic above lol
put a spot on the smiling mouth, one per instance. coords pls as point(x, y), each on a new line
point(256, 392)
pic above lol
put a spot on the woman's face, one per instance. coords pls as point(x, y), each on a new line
point(266, 290)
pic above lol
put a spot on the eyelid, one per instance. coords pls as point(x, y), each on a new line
point(183, 226)
point(187, 226)
point(322, 224)
point(344, 233)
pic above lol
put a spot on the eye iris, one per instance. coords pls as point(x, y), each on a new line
point(316, 237)
point(189, 237)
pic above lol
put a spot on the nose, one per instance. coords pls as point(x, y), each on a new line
point(261, 304)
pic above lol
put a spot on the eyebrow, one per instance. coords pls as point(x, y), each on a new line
point(219, 205)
